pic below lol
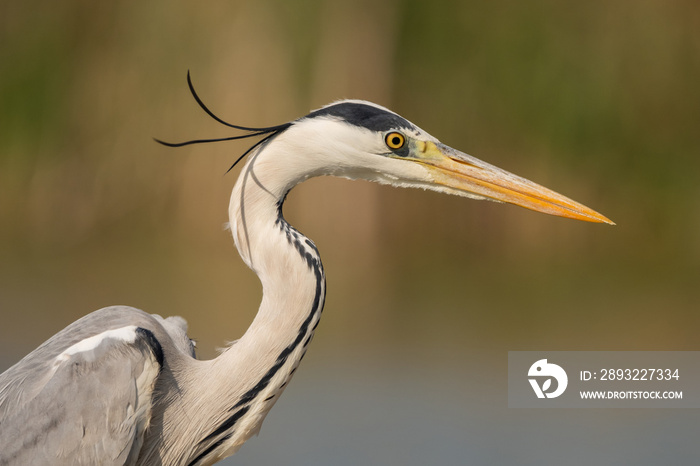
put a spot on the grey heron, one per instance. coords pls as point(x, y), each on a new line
point(120, 386)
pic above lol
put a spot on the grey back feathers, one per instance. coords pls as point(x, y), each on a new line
point(99, 371)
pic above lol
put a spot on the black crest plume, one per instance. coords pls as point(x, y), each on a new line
point(269, 132)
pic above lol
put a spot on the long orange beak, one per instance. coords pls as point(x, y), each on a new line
point(472, 176)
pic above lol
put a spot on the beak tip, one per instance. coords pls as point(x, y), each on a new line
point(599, 218)
point(590, 215)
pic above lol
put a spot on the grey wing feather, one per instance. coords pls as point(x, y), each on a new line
point(84, 396)
point(177, 331)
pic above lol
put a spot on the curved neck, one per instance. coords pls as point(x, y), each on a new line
point(287, 263)
point(245, 381)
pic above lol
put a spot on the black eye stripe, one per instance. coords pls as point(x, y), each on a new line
point(365, 116)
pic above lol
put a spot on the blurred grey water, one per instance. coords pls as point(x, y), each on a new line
point(398, 413)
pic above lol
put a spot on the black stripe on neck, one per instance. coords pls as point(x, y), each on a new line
point(308, 252)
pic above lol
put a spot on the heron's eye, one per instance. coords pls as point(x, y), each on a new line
point(395, 140)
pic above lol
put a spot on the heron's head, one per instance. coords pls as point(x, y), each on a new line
point(361, 140)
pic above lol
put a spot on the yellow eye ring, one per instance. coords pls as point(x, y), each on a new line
point(395, 140)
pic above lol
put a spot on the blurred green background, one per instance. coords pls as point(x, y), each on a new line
point(598, 100)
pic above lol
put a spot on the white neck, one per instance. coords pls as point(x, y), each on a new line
point(288, 265)
point(244, 382)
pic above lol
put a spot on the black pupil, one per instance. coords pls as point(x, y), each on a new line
point(396, 141)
